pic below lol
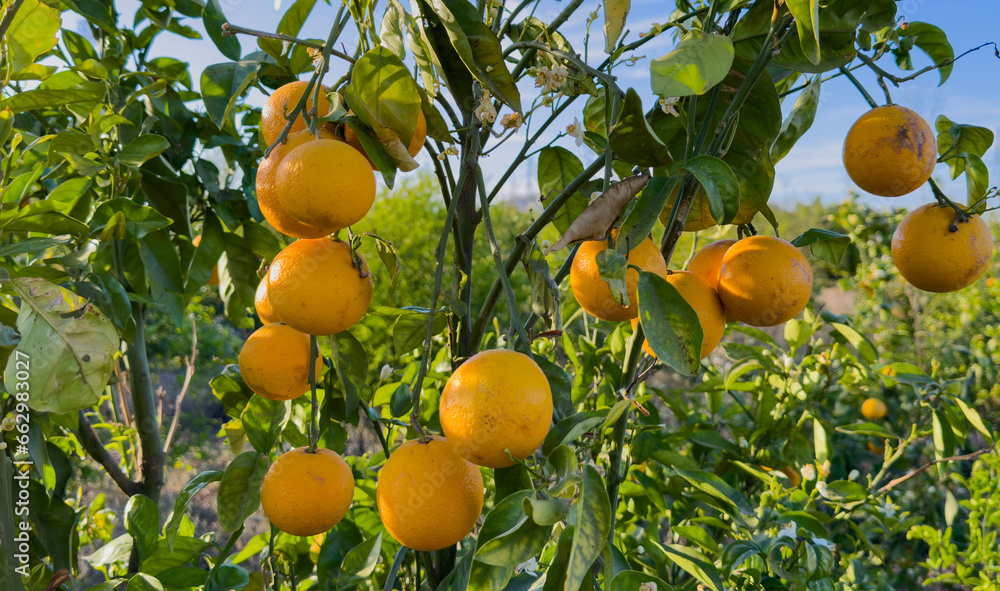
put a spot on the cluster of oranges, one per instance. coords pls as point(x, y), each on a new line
point(495, 409)
point(891, 151)
point(759, 280)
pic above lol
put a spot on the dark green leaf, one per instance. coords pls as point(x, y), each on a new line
point(290, 24)
point(142, 148)
point(593, 522)
point(720, 184)
point(142, 521)
point(137, 220)
point(670, 324)
point(806, 13)
point(571, 428)
point(41, 98)
point(239, 490)
point(612, 267)
point(212, 16)
point(824, 244)
point(632, 139)
point(192, 488)
point(509, 536)
point(228, 577)
point(642, 217)
point(223, 84)
point(933, 42)
point(632, 580)
point(263, 421)
point(798, 121)
point(361, 560)
point(696, 564)
point(143, 582)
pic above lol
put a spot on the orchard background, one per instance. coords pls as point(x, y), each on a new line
point(132, 244)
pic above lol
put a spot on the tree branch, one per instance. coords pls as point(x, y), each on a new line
point(905, 477)
point(8, 17)
point(188, 374)
point(92, 444)
point(230, 29)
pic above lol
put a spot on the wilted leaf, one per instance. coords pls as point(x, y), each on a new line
point(615, 13)
point(596, 221)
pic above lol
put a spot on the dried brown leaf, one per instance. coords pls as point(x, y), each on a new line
point(595, 222)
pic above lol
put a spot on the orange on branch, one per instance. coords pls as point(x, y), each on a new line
point(267, 192)
point(890, 151)
point(593, 293)
point(874, 409)
point(700, 296)
point(764, 281)
point(262, 304)
point(282, 102)
point(707, 261)
point(306, 493)
point(274, 362)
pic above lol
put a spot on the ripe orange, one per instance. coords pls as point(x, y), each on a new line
point(764, 281)
point(705, 302)
point(874, 409)
point(325, 184)
point(593, 293)
point(496, 401)
point(281, 102)
point(214, 279)
point(306, 493)
point(890, 151)
point(274, 362)
point(935, 252)
point(267, 191)
point(416, 143)
point(428, 496)
point(262, 304)
point(314, 286)
point(708, 260)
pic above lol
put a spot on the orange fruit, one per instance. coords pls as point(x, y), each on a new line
point(428, 496)
point(764, 281)
point(935, 252)
point(274, 362)
point(267, 191)
point(875, 449)
point(890, 151)
point(593, 293)
point(793, 475)
point(708, 260)
point(214, 279)
point(314, 286)
point(306, 493)
point(705, 302)
point(496, 401)
point(874, 409)
point(262, 304)
point(416, 143)
point(281, 102)
point(325, 184)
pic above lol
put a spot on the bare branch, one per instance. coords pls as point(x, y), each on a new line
point(94, 447)
point(905, 477)
point(188, 374)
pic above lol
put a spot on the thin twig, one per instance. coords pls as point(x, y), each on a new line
point(188, 374)
point(231, 29)
point(905, 477)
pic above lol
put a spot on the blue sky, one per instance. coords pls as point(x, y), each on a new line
point(812, 169)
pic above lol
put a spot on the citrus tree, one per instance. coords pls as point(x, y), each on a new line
point(521, 442)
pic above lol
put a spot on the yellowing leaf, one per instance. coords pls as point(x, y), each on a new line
point(66, 351)
point(615, 13)
point(31, 33)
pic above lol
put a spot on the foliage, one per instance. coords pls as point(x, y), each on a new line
point(750, 470)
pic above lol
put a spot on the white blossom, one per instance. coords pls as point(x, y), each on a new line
point(824, 470)
point(821, 488)
point(823, 543)
point(888, 509)
point(557, 77)
point(648, 586)
point(743, 442)
point(575, 130)
point(512, 121)
point(385, 373)
point(787, 362)
point(853, 475)
point(808, 472)
point(486, 112)
point(788, 531)
point(528, 567)
point(541, 77)
point(669, 105)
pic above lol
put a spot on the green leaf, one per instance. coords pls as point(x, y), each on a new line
point(696, 564)
point(944, 437)
point(143, 582)
point(478, 48)
point(374, 150)
point(391, 33)
point(612, 267)
point(956, 140)
point(69, 344)
point(41, 98)
point(825, 245)
point(642, 217)
point(571, 428)
point(184, 550)
point(972, 415)
point(632, 580)
point(290, 24)
point(142, 522)
point(509, 536)
point(977, 177)
point(213, 17)
point(239, 490)
point(350, 360)
point(143, 148)
point(720, 184)
point(7, 524)
point(861, 344)
point(208, 252)
point(737, 552)
point(698, 535)
point(632, 139)
point(409, 330)
point(223, 84)
point(806, 13)
point(162, 260)
point(615, 14)
point(734, 502)
point(593, 522)
point(383, 91)
point(188, 492)
point(31, 33)
point(263, 421)
point(546, 511)
point(798, 121)
point(135, 220)
point(932, 41)
point(699, 62)
point(821, 442)
point(846, 491)
point(669, 324)
point(361, 560)
point(867, 429)
point(228, 577)
point(557, 167)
